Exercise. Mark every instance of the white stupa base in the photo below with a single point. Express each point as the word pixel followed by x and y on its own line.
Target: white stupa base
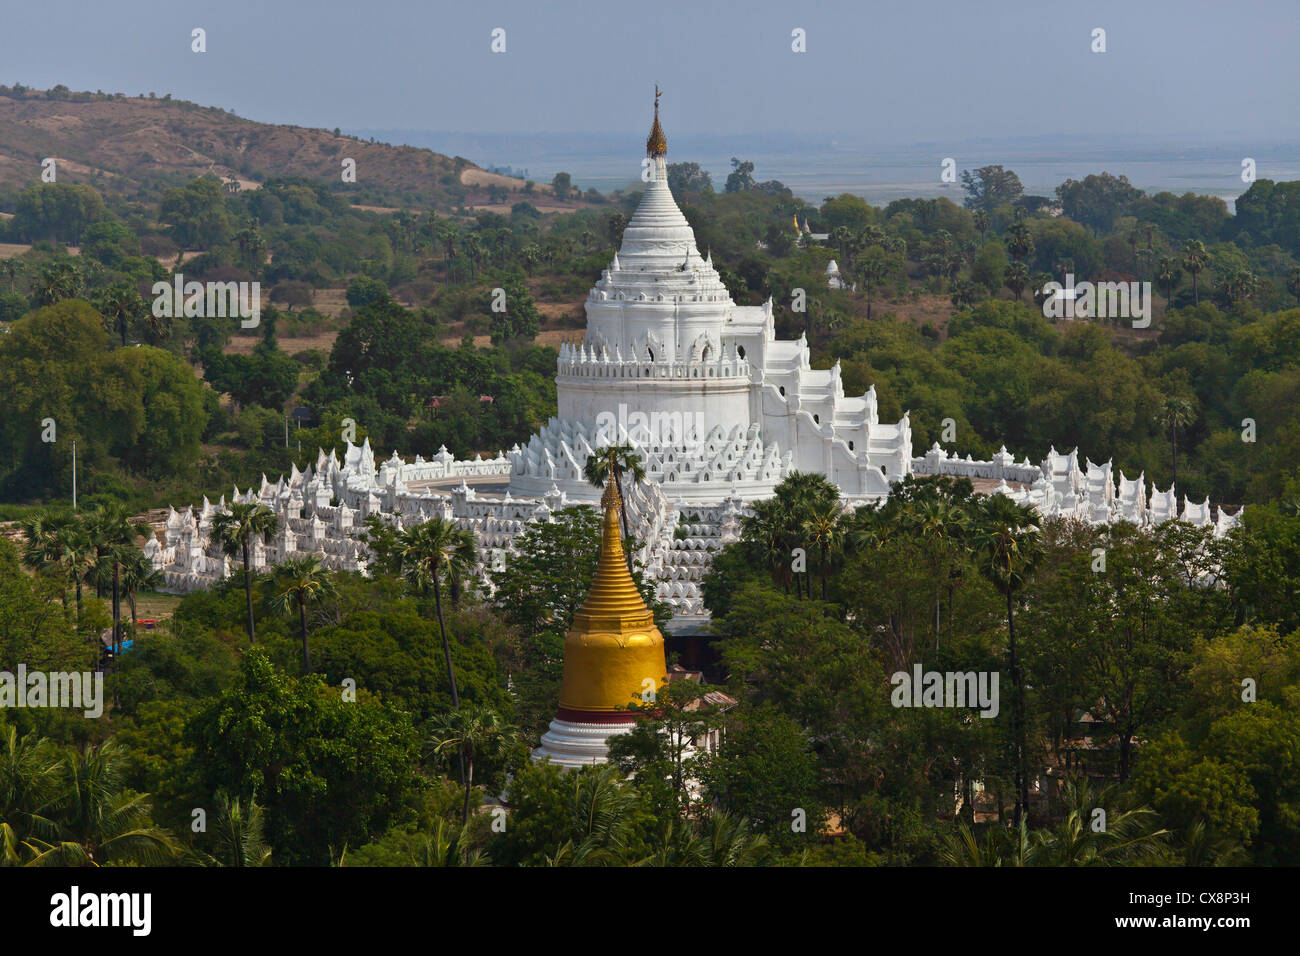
pixel 571 745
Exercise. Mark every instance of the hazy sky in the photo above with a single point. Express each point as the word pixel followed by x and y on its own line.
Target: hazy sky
pixel 893 72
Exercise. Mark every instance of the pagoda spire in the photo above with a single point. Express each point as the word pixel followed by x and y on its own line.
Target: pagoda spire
pixel 613 656
pixel 613 593
pixel 656 144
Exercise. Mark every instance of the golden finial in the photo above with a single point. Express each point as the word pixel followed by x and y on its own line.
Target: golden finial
pixel 611 498
pixel 613 592
pixel 656 144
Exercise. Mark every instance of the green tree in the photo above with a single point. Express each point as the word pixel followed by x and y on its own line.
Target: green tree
pixel 616 461
pixel 113 538
pixel 583 817
pixel 562 186
pixel 239 831
pixel 330 772
pixel 875 265
pixel 1008 547
pixel 1167 273
pixel 296 583
pixel 1016 278
pixel 234 531
pixel 1020 241
pixel 1097 200
pixel 93 820
pixel 121 304
pixel 741 177
pixel 668 749
pixel 425 554
pixel 56 282
pixel 58 212
pixel 823 530
pixel 990 187
pixel 197 214
pixel 1176 412
pixel 471 732
pixel 138 574
pixel 990 266
pixel 766 771
pixel 1195 258
pixel 686 178
pixel 363 290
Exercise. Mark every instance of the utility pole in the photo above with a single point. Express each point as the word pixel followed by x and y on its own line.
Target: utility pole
pixel 74 474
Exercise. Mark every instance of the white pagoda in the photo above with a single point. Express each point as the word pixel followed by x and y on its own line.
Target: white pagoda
pixel 719 410
pixel 716 405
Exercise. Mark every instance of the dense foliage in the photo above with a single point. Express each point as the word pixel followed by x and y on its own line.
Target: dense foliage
pixel 386 720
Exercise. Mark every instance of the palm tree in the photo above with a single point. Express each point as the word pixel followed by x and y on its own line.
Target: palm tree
pixel 1129 837
pixel 796 500
pixel 1020 241
pixel 138 573
pixel 425 553
pixel 57 543
pixel 1064 266
pixel 56 282
pixel 239 831
pixel 122 305
pixel 724 841
pixel 1200 846
pixel 730 842
pixel 824 531
pixel 1007 545
pixel 299 581
pixel 156 327
pixel 233 530
pixel 676 844
pixel 470 732
pixel 1174 414
pixel 616 460
pixel 1145 257
pixel 941 523
pixel 252 248
pixel 963 294
pixel 112 536
pixel 11 267
pixel 42 551
pixel 875 265
pixel 981 220
pixel 449 845
pixel 95 820
pixel 765 527
pixel 1195 258
pixel 466 558
pixel 962 847
pixel 1167 273
pixel 842 238
pixel 1016 278
pixel 75 555
pixel 600 810
pixel 531 254
pixel 1235 285
pixel 614 227
pixel 29 776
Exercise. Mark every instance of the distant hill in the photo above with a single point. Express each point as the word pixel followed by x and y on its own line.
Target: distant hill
pixel 136 146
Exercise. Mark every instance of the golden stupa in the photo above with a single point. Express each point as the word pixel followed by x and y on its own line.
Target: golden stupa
pixel 613 654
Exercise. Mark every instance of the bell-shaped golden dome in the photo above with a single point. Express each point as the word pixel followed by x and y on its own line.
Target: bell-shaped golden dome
pixel 614 653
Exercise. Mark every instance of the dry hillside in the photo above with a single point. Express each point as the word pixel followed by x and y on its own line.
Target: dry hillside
pixel 129 144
